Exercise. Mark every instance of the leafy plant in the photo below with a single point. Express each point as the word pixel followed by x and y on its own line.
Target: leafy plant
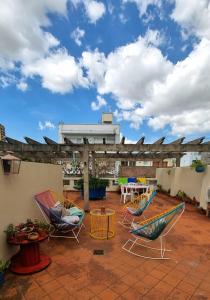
pixel 94 183
pixel 197 163
pixel 159 187
pixel 4 265
pixel 181 195
pixel 10 231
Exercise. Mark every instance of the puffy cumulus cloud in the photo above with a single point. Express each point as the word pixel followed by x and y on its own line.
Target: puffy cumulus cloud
pixel 147 87
pixel 187 86
pixel 129 72
pixel 142 5
pixel 193 16
pixel 187 122
pixel 59 72
pixel 46 125
pixel 77 35
pixel 21 28
pixel 96 105
pixel 94 9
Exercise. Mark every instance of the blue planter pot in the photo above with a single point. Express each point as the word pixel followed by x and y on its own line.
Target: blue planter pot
pixel 2 280
pixel 96 194
pixel 200 169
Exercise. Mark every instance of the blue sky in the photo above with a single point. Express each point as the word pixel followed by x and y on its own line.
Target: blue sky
pixel 147 61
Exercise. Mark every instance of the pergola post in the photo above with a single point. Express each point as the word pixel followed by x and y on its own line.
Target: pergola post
pixel 86 179
pixel 177 161
pixel 93 165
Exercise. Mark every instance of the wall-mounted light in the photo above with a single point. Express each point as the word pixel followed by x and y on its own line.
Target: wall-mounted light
pixel 10 164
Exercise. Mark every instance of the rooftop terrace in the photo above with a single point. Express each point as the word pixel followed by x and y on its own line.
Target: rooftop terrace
pixel 75 273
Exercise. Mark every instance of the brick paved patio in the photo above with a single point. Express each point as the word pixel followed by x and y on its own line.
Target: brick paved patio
pixel 75 273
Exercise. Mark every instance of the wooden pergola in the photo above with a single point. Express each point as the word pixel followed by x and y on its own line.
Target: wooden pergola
pixel 51 150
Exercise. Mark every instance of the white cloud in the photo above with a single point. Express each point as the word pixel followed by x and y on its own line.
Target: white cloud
pixel 23 86
pixel 143 5
pixel 21 29
pixel 129 72
pixel 46 125
pixel 148 87
pixel 122 18
pixel 96 105
pixel 94 10
pixel 193 16
pixel 59 72
pixel 77 35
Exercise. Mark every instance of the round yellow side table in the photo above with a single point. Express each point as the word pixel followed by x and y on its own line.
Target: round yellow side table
pixel 102 223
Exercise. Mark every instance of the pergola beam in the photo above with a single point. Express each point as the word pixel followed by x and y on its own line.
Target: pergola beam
pixel 122 142
pixel 31 141
pixel 20 147
pixel 49 141
pixel 13 141
pixel 160 141
pixel 141 141
pixel 196 141
pixel 68 141
pixel 179 141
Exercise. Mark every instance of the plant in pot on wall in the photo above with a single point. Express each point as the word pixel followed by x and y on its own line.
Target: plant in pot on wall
pixel 4 265
pixel 97 187
pixel 198 165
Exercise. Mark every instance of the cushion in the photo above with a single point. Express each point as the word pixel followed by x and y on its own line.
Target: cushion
pixel 70 219
pixel 75 211
pixel 55 214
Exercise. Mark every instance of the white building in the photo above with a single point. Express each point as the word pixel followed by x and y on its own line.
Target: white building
pixel 95 133
pixel 187 159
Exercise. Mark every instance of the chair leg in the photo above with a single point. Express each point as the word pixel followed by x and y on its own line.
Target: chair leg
pixel 134 242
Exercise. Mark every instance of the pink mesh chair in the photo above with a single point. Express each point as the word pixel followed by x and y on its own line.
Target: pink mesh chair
pixel 46 202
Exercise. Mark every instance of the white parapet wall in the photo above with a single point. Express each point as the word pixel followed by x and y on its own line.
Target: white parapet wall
pixel 187 180
pixel 69 183
pixel 16 196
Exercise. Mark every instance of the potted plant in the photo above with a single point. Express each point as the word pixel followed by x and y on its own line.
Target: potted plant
pixel 10 231
pixel 41 227
pixel 198 165
pixel 3 267
pixel 97 187
pixel 181 195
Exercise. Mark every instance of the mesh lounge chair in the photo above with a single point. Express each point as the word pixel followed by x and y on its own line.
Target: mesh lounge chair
pixel 46 202
pixel 131 212
pixel 153 229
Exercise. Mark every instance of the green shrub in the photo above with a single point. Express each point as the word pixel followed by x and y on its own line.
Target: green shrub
pixel 94 183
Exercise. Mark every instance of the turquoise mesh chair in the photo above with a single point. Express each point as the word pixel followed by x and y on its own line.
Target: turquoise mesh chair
pixel 153 229
pixel 131 213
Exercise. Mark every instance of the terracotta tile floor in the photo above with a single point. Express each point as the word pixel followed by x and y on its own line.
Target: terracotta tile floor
pixel 75 273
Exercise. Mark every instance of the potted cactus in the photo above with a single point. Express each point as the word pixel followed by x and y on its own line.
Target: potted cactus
pixel 3 267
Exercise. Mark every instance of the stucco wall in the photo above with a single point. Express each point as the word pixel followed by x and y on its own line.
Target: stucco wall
pixel 185 179
pixel 16 196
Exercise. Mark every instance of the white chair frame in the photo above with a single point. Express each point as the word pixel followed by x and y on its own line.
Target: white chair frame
pixel 143 242
pixel 53 232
